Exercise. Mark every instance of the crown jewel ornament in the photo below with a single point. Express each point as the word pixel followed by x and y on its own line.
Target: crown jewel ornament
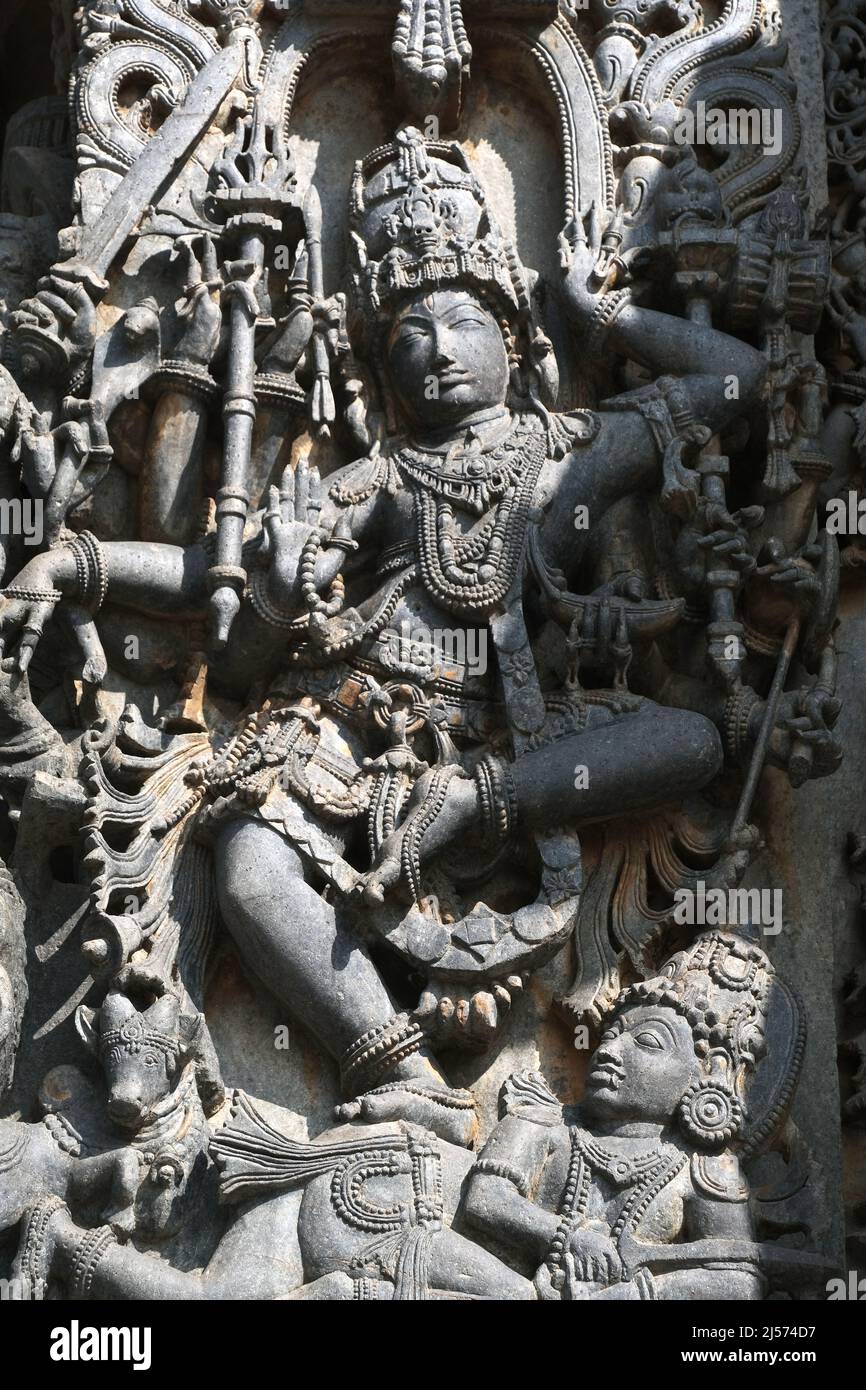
pixel 421 221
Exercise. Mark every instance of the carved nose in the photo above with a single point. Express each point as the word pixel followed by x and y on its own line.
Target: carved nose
pixel 605 1055
pixel 125 1110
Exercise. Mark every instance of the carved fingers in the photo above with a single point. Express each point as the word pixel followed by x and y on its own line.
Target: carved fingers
pixel 22 620
pixel 594 1259
pixel 588 256
pixel 716 539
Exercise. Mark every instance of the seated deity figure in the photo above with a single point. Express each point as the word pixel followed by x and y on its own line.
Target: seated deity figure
pixel 639 1192
pixel 367 766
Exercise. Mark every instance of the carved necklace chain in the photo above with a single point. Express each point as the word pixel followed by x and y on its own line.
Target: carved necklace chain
pixel 473 573
pixel 468 474
pixel 647 1174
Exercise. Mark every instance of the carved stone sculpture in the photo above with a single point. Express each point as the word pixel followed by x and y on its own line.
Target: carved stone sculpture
pixel 418 602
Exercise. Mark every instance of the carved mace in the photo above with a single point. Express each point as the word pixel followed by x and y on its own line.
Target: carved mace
pixel 257 187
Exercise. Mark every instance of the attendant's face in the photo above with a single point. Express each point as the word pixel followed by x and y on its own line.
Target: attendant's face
pixel 446 358
pixel 642 1067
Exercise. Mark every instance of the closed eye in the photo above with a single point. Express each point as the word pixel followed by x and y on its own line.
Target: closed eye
pixel 649 1040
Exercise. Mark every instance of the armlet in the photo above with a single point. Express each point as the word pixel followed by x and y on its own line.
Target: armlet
pixel 719 1176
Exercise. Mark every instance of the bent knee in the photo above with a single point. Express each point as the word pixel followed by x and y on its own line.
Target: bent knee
pixel 700 756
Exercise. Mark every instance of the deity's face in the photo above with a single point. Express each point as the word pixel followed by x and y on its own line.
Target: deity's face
pixel 446 358
pixel 642 1066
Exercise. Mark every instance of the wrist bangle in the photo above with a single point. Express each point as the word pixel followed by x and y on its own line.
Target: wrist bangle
pixel 264 606
pixel 738 712
pixel 33 595
pixel 497 797
pixel 90 570
pixel 607 309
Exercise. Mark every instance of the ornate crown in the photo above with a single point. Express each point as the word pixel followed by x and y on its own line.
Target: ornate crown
pixel 720 985
pixel 420 220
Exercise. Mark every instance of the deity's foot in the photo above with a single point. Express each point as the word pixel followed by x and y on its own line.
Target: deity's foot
pixel 447 1112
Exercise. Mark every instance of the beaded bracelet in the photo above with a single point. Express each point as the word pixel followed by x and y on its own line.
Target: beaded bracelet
pixel 32 595
pixel 90 570
pixel 307 576
pixel 497 796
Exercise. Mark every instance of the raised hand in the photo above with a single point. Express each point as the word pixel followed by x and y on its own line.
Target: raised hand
pixel 587 255
pixel 291 518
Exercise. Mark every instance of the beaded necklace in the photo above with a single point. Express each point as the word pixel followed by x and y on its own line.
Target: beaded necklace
pixel 473 574
pixel 647 1174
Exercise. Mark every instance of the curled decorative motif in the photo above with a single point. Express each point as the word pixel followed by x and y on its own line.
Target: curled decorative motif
pixel 144 60
pixel 844 38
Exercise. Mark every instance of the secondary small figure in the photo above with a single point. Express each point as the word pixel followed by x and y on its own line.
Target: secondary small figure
pixel 639 1192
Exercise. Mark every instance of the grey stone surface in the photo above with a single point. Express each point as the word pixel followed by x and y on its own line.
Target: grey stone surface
pixel 425 782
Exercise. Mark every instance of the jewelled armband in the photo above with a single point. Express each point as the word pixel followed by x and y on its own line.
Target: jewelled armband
pixel 504 1171
pixel 666 408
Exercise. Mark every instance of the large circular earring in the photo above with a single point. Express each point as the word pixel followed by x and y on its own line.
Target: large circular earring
pixel 710 1114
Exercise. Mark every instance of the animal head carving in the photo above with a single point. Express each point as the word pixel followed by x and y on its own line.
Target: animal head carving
pixel 141 1051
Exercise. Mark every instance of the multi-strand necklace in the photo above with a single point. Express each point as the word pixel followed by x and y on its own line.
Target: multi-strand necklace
pixel 472 573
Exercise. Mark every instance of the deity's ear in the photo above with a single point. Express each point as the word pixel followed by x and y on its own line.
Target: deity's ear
pixel 86 1026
